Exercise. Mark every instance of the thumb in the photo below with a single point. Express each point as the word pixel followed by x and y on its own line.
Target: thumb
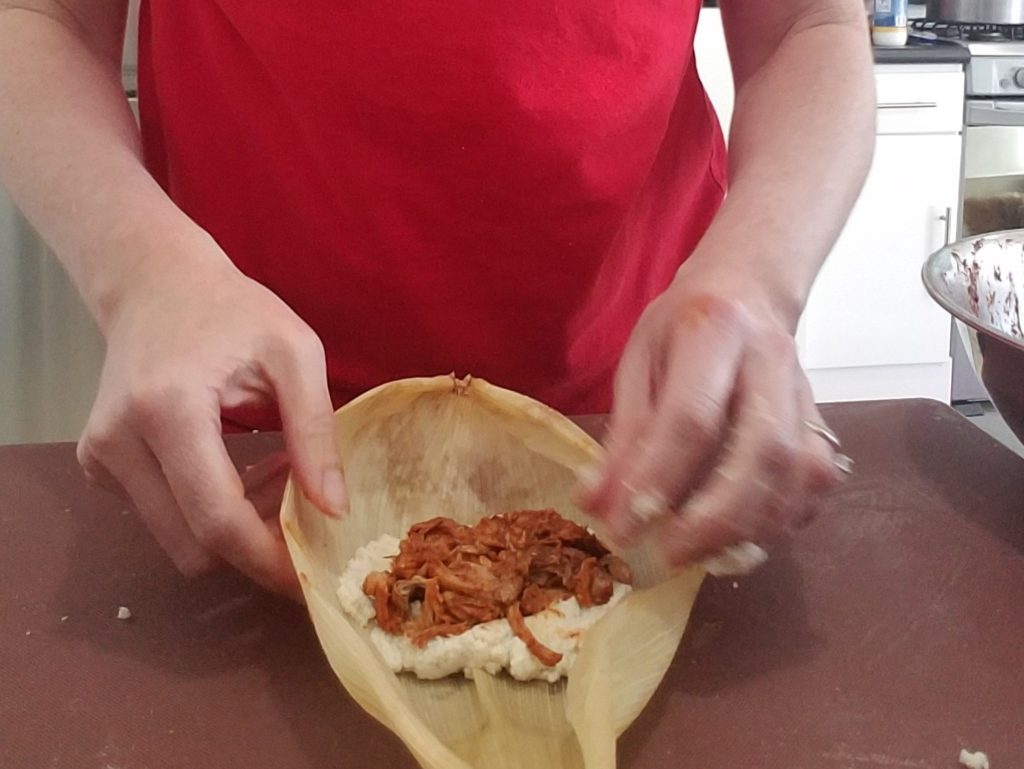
pixel 307 416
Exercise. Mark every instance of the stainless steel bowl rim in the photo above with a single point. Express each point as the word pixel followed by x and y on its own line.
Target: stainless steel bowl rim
pixel 930 269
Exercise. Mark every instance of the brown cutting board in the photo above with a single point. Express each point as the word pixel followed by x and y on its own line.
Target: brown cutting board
pixel 888 634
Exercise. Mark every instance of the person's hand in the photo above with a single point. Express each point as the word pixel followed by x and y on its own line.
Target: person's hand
pixel 182 346
pixel 714 439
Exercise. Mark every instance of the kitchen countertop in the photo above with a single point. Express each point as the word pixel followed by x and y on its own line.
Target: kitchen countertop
pixel 887 634
pixel 919 51
pixel 916 51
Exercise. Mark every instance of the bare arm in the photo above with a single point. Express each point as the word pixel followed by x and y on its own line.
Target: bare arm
pixel 709 444
pixel 187 334
pixel 802 136
pixel 70 151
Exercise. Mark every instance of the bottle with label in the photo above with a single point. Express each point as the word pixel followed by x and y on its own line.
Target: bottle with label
pixel 889 23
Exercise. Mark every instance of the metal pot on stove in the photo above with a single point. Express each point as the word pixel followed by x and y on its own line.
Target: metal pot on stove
pixel 977 11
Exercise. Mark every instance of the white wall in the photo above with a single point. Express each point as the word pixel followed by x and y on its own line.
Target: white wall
pixel 50 350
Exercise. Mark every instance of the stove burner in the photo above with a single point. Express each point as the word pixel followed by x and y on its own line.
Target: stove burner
pixel 985 36
pixel 974 33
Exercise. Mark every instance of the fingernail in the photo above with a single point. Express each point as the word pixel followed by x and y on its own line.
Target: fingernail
pixel 589 478
pixel 648 505
pixel 334 491
pixel 736 560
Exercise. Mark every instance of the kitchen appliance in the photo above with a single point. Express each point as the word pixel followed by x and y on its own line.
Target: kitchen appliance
pixel 993 185
pixel 994 136
pixel 980 281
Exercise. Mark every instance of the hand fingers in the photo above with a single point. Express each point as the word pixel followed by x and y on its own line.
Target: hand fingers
pixel 748 496
pixel 96 474
pixel 264 484
pixel 685 431
pixel 185 437
pixel 129 459
pixel 299 377
pixel 818 457
pixel 631 410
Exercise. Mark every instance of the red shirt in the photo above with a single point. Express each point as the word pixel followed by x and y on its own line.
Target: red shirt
pixel 494 188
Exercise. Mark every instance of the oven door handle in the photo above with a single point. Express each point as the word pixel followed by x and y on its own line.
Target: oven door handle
pixel 908 105
pixel 995 113
pixel 947 219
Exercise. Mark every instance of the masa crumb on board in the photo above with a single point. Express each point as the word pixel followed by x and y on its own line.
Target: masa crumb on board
pixel 976 760
pixel 123 612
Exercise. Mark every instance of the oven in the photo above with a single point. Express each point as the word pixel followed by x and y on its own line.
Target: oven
pixel 993 187
pixel 994 137
pixel 993 172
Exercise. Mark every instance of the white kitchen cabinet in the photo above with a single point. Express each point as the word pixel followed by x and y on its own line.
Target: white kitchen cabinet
pixel 869 309
pixel 870 331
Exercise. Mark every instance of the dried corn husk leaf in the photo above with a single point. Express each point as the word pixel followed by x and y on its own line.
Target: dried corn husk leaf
pixel 417 448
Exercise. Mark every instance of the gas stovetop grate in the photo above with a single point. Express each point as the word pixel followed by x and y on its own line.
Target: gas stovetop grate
pixel 974 33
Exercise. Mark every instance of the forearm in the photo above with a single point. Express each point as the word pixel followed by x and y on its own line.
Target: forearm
pixel 70 157
pixel 801 143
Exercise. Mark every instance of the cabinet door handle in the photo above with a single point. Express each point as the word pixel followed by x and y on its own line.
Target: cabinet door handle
pixel 909 105
pixel 948 219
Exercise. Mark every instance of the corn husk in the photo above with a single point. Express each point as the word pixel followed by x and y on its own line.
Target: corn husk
pixel 417 448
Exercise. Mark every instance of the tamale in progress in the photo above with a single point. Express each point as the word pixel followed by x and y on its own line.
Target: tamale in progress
pixel 417 448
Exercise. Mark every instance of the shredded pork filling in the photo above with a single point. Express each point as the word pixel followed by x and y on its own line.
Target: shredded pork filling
pixel 448 577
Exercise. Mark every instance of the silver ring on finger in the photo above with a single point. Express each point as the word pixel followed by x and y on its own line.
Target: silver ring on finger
pixel 824 432
pixel 842 462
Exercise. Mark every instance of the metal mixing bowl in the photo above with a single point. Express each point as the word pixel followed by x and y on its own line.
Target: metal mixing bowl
pixel 977 11
pixel 980 281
